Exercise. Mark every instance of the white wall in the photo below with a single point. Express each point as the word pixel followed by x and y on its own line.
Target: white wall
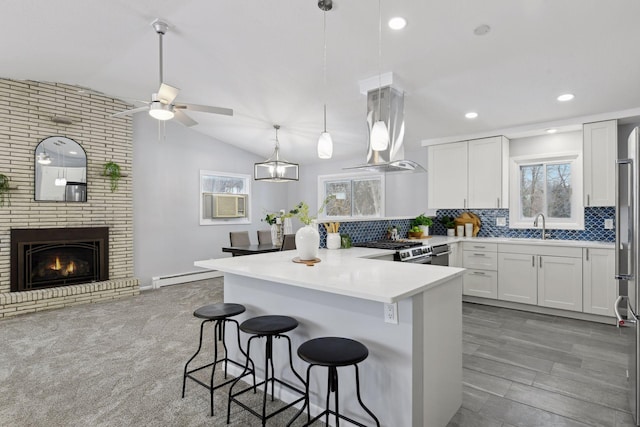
pixel 167 234
pixel 546 144
pixel 406 193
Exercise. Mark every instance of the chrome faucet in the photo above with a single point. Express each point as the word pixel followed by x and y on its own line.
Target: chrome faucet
pixel 544 226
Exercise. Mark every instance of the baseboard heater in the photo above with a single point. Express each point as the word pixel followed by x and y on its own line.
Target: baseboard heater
pixel 174 279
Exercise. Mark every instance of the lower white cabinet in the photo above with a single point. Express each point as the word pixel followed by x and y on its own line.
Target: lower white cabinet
pixel 560 282
pixel 455 259
pixel 481 277
pixel 517 278
pixel 600 289
pixel 479 283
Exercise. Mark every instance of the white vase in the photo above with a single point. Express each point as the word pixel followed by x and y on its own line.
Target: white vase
pixel 333 241
pixel 276 234
pixel 307 242
pixel 451 232
pixel 425 230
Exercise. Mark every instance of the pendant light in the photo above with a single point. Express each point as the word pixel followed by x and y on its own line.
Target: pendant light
pixel 325 143
pixel 275 169
pixel 379 138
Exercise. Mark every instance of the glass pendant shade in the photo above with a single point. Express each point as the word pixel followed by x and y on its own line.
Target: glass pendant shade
pixel 44 159
pixel 379 136
pixel 160 111
pixel 325 145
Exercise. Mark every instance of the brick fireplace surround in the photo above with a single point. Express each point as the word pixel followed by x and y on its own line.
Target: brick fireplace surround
pixel 26 110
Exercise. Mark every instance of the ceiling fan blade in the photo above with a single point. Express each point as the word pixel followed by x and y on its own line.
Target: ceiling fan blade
pixel 167 93
pixel 184 119
pixel 206 109
pixel 130 112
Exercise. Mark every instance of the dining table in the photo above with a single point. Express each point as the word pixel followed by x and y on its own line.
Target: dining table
pixel 251 249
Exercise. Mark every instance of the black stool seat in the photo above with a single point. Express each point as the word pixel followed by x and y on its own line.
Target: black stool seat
pixel 267 328
pixel 219 311
pixel 333 351
pixel 269 325
pixel 219 315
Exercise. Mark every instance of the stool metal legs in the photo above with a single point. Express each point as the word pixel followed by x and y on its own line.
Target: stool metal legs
pixel 219 335
pixel 269 378
pixel 332 387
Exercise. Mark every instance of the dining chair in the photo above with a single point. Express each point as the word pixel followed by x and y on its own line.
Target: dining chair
pixel 239 238
pixel 264 237
pixel 288 242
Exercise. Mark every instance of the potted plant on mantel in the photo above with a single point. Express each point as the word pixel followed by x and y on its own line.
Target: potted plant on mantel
pixel 423 222
pixel 449 223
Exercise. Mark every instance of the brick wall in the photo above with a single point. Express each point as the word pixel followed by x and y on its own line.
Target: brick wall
pixel 26 109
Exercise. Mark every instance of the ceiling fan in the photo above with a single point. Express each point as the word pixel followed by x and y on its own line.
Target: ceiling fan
pixel 162 105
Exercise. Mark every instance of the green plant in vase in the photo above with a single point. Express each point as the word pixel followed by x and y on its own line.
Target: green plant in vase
pixel 112 170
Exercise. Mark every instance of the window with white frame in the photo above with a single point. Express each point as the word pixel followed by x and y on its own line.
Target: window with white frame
pixel 354 196
pixel 224 198
pixel 551 185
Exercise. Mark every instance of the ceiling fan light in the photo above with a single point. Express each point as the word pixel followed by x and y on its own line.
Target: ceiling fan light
pixel 325 146
pixel 44 159
pixel 160 111
pixel 379 136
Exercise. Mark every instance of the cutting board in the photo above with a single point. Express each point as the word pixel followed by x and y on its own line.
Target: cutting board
pixel 467 217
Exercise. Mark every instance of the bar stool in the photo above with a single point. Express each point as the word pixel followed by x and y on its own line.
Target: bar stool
pixel 218 313
pixel 332 352
pixel 268 327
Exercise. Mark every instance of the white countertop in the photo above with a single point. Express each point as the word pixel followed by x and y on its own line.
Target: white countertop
pixel 345 272
pixel 439 240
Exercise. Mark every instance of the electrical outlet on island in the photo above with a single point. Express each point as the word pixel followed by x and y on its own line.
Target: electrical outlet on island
pixel 391 312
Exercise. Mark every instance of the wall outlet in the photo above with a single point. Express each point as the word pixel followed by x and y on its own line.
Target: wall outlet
pixel 608 224
pixel 501 221
pixel 391 312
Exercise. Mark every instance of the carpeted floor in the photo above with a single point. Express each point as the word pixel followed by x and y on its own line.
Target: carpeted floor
pixel 116 363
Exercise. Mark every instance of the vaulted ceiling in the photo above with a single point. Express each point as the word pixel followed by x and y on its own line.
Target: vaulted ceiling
pixel 264 60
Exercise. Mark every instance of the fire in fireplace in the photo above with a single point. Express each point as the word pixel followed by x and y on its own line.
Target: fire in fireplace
pixel 45 258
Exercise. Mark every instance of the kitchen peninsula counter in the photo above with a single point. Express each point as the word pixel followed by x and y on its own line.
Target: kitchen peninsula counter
pixel 413 375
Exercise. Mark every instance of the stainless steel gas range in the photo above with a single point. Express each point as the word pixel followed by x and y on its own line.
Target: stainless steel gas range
pixel 417 252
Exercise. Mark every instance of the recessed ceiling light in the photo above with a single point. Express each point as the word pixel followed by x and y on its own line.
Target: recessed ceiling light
pixel 566 97
pixel 397 23
pixel 552 130
pixel 471 115
pixel 481 30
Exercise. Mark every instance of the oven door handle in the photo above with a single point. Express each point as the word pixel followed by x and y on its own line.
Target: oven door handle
pixel 419 260
pixel 442 254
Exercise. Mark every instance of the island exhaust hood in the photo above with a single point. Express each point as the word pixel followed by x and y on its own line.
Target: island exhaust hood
pixel 391 111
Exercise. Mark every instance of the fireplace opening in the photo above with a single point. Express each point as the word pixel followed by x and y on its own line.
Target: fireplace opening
pixel 45 258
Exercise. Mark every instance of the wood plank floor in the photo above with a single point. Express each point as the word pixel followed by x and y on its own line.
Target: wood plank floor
pixel 526 369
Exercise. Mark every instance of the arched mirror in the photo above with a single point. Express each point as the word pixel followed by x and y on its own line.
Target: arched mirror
pixel 61 170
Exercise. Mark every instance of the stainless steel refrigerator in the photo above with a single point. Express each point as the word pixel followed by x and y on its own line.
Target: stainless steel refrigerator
pixel 627 260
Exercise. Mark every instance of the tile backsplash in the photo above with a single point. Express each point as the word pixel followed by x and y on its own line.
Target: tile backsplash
pixel 593 219
pixel 362 231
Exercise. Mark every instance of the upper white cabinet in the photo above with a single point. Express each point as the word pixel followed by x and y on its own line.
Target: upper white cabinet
pixel 469 174
pixel 488 172
pixel 447 174
pixel 600 141
pixel 600 289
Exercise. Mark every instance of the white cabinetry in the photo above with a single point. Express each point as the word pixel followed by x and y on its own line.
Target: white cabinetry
pixel 549 276
pixel 600 289
pixel 600 150
pixel 517 278
pixel 560 282
pixel 475 173
pixel 447 175
pixel 481 277
pixel 488 173
pixel 455 258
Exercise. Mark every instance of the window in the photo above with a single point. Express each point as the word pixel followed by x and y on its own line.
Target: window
pixel 548 185
pixel 356 196
pixel 224 198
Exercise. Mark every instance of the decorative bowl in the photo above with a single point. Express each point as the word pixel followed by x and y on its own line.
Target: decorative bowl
pixel 415 234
